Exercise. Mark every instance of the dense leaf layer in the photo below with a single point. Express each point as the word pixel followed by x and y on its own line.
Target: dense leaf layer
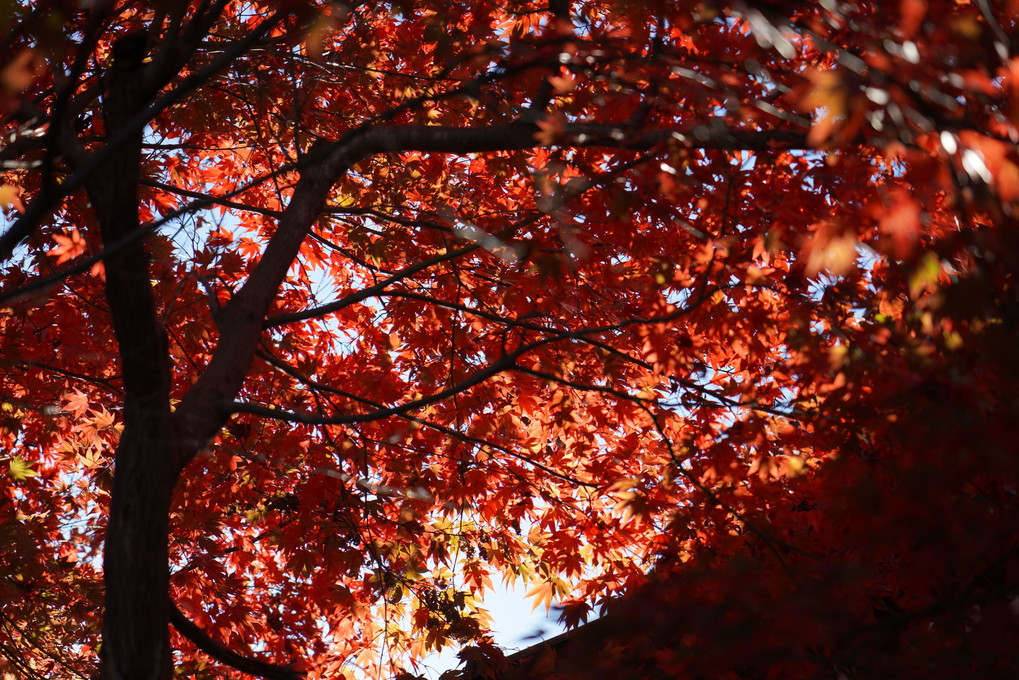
pixel 703 310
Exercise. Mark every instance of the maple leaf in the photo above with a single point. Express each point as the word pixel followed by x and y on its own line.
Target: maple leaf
pixel 563 84
pixel 573 613
pixel 75 402
pixel 543 594
pixel 69 246
pixel 902 223
pixel 831 249
pixel 551 130
pixel 20 469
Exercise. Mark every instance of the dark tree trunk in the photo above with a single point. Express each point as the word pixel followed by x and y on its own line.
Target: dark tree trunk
pixel 136 643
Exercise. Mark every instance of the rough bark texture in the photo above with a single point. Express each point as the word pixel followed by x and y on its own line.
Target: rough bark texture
pixel 136 642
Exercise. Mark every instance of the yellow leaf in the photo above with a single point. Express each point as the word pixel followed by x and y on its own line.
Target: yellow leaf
pixel 794 466
pixel 563 84
pixel 837 356
pixel 10 196
pixel 19 73
pixel 316 36
pixel 829 99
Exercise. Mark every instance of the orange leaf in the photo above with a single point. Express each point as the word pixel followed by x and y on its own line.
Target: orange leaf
pixel 68 247
pixel 19 73
pixel 10 196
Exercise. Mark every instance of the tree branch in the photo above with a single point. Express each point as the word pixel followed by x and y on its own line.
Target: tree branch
pixel 504 363
pixel 224 654
pixel 210 199
pixel 424 422
pixel 131 128
pixel 379 288
pixel 208 404
pixel 370 291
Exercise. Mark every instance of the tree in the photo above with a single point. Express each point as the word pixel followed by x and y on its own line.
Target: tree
pixel 317 317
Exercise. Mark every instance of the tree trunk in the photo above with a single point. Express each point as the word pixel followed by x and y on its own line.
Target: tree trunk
pixel 136 640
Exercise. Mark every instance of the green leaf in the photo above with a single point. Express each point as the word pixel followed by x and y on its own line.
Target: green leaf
pixel 21 469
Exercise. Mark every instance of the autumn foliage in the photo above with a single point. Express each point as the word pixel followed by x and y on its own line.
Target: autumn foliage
pixel 319 320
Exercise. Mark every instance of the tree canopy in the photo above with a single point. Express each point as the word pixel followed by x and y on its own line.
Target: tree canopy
pixel 320 319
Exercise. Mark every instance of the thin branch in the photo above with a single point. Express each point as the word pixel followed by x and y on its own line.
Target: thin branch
pixel 371 291
pixel 45 652
pixel 456 434
pixel 504 363
pixel 210 199
pixel 39 208
pixel 379 288
pixel 105 383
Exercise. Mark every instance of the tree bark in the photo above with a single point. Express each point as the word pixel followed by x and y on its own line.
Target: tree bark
pixel 136 642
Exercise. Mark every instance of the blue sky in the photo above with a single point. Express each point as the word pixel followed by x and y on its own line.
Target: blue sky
pixel 515 626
